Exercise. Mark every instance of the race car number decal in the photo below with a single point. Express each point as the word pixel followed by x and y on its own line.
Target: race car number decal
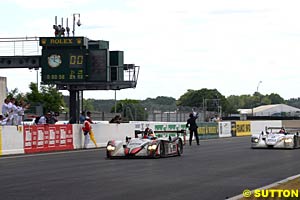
pixel 172 148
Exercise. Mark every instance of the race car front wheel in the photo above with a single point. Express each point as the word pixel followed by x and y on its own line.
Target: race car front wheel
pixel 179 147
pixel 161 151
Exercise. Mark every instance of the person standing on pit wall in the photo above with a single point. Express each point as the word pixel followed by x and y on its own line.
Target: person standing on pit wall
pixel 192 125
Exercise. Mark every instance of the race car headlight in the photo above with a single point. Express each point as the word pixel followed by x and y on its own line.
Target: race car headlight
pixel 288 140
pixel 255 140
pixel 110 147
pixel 152 147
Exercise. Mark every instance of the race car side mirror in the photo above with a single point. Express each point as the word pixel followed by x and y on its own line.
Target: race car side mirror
pixel 128 138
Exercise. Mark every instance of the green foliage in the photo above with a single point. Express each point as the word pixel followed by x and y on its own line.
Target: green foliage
pixel 20 97
pixel 159 103
pixel 275 98
pixel 48 97
pixel 34 96
pixel 207 99
pixel 131 110
pixel 248 101
pixel 88 104
pixel 295 102
pixel 52 99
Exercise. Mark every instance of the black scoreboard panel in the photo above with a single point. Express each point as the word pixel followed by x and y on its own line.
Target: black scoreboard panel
pixel 60 65
pixel 98 65
pixel 77 62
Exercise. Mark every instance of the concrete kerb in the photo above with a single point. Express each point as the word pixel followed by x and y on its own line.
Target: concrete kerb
pixel 240 196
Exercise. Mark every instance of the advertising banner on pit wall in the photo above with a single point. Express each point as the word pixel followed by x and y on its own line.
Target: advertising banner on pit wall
pixel 243 128
pixel 170 127
pixel 48 137
pixel 207 130
pixel 224 129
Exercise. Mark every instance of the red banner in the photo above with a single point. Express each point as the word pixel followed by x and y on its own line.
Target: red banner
pixel 48 137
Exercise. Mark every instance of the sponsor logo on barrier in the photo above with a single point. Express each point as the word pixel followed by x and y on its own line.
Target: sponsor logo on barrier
pixel 43 138
pixel 271 193
pixel 243 128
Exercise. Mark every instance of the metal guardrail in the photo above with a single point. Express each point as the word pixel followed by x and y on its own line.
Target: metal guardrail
pixel 20 46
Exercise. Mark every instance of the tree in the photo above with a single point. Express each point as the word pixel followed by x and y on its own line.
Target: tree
pixel 209 99
pixel 131 110
pixel 295 102
pixel 249 102
pixel 233 104
pixel 88 104
pixel 19 97
pixel 275 98
pixel 48 97
pixel 52 99
pixel 161 103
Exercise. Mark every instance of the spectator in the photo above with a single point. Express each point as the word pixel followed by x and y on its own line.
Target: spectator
pixel 51 118
pixel 82 117
pixel 21 107
pixel 42 119
pixel 12 113
pixel 117 119
pixel 5 107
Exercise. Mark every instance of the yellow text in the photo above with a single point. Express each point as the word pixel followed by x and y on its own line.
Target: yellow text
pixel 61 41
pixel 276 193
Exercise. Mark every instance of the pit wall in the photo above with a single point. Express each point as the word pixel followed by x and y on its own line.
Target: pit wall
pixel 62 137
pixel 11 140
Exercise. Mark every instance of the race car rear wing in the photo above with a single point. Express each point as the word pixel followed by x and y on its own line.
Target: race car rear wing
pixel 137 132
pixel 287 129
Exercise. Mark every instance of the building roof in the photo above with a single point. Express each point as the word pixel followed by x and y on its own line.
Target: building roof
pixel 270 109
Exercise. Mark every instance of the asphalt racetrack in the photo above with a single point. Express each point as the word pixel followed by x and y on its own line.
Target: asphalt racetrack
pixel 216 169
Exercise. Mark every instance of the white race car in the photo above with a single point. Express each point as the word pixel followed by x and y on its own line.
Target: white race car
pixel 277 137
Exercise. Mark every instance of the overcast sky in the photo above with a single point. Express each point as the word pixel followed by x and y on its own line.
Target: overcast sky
pixel 228 45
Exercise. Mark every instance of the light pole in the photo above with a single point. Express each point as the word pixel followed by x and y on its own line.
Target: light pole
pixel 253 96
pixel 37 76
pixel 258 85
pixel 78 22
pixel 145 114
pixel 115 102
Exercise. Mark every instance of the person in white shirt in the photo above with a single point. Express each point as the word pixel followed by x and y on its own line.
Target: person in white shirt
pixel 42 120
pixel 21 107
pixel 13 112
pixel 5 107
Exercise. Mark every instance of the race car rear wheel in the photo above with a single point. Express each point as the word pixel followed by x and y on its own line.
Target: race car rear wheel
pixel 296 141
pixel 179 147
